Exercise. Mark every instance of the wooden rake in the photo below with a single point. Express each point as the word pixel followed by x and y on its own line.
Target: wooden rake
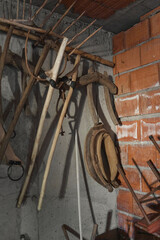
pixel 53 74
pixel 74 77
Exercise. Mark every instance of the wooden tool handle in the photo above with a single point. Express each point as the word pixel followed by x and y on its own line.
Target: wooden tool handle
pixel 74 77
pixel 41 123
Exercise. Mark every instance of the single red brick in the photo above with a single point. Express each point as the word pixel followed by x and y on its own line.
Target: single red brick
pixel 128 60
pixel 136 209
pixel 155 27
pixel 150 51
pixel 129 131
pixel 150 13
pixel 123 83
pixel 133 177
pixel 125 223
pixel 118 42
pixel 127 106
pixel 145 77
pixel 123 154
pixel 150 102
pixel 150 126
pixel 141 153
pixel 148 178
pixel 125 201
pixel 137 34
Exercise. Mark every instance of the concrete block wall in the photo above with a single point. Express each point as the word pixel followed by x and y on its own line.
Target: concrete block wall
pixel 137 75
pixel 60 201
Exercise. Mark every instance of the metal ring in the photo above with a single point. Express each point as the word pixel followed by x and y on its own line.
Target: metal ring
pixel 10 170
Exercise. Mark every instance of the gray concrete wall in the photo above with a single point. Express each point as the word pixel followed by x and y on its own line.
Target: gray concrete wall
pixel 60 201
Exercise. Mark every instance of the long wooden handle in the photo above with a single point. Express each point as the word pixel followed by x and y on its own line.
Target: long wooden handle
pixel 2 63
pixel 74 77
pixel 94 231
pixel 23 100
pixel 55 71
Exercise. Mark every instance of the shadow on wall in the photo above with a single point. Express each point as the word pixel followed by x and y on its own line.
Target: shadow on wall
pixel 74 125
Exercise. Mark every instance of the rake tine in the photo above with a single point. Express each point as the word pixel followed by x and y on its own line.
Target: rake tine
pixel 73 22
pixel 47 18
pixel 39 9
pixel 83 30
pixel 23 14
pixel 58 22
pixel 17 14
pixel 85 40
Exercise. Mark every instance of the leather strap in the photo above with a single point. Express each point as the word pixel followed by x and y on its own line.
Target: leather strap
pixel 102 167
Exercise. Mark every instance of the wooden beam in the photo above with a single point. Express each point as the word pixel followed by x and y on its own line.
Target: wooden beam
pixel 27 27
pixel 34 37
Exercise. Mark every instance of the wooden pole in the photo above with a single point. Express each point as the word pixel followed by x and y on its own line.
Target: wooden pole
pixel 34 37
pixel 55 71
pixel 89 56
pixel 2 63
pixel 74 77
pixel 94 232
pixel 23 100
pixel 23 26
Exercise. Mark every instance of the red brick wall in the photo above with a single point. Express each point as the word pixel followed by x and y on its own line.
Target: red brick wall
pixel 137 75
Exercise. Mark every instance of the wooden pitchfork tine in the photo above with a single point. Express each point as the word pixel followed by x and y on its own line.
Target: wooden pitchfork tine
pixel 23 100
pixel 67 28
pixel 48 16
pixel 61 18
pixel 39 9
pixel 74 77
pixel 84 41
pixel 53 75
pixel 57 23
